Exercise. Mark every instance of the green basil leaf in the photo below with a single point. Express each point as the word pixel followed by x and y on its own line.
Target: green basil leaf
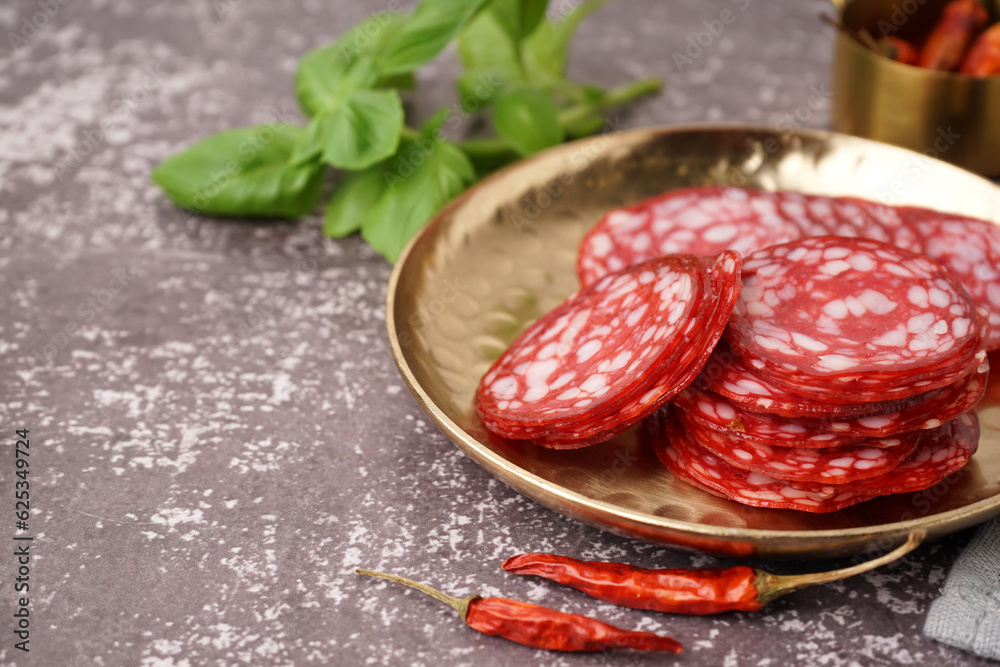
pixel 527 120
pixel 431 129
pixel 316 77
pixel 425 34
pixel 419 180
pixel 484 44
pixel 357 130
pixel 328 73
pixel 245 173
pixel 309 144
pixel 374 36
pixel 484 156
pixel 477 88
pixel 546 50
pixel 519 18
pixel 593 122
pixel 404 81
pixel 352 200
pixel 584 127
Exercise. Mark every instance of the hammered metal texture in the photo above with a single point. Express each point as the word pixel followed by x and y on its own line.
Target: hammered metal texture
pixel 503 254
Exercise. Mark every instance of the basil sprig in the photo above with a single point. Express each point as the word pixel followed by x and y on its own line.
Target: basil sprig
pixel 395 177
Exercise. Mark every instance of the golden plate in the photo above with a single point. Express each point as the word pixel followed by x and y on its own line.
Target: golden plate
pixel 503 254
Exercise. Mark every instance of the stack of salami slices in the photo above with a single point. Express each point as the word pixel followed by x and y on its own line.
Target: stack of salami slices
pixel 853 344
pixel 849 370
pixel 611 354
pixel 706 220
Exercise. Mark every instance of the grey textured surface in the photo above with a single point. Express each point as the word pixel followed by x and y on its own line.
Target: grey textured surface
pixel 224 437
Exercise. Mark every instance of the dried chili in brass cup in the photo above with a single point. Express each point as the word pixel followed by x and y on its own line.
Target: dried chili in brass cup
pixel 946 115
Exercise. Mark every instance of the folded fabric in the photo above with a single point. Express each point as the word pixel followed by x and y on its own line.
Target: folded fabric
pixel 967 614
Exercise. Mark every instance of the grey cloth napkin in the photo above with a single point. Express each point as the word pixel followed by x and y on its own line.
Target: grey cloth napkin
pixel 967 614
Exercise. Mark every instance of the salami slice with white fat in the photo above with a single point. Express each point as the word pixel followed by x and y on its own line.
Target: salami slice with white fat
pixel 939 453
pixel 705 220
pixel 700 221
pixel 610 354
pixel 726 375
pixel 831 465
pixel 848 320
pixel 719 414
pixel 702 335
pixel 970 250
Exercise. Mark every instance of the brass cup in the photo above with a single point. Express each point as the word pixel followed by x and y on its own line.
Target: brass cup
pixel 949 116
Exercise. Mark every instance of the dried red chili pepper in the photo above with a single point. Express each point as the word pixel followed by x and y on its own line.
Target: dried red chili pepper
pixel 898 49
pixel 697 592
pixel 959 24
pixel 540 627
pixel 983 59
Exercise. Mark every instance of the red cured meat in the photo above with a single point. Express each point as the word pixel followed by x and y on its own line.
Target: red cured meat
pixel 940 452
pixel 968 247
pixel 705 220
pixel 832 465
pixel 610 354
pixel 704 334
pixel 718 413
pixel 850 320
pixel 727 376
pixel 545 374
pixel 970 250
pixel 701 221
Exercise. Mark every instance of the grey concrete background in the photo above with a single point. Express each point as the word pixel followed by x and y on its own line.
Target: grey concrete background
pixel 224 437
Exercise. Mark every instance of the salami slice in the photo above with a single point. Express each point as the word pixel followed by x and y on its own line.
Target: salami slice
pixel 870 220
pixel 567 365
pixel 848 320
pixel 610 354
pixel 719 414
pixel 727 376
pixel 700 221
pixel 970 250
pixel 831 465
pixel 703 335
pixel 940 452
pixel 706 220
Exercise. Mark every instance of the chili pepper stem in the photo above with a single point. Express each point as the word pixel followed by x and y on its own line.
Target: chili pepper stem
pixel 772 586
pixel 461 605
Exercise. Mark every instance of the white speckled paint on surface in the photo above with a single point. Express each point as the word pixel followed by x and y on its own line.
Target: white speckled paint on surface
pixel 226 437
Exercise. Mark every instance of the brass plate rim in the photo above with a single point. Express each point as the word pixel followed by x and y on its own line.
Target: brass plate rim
pixel 517 477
